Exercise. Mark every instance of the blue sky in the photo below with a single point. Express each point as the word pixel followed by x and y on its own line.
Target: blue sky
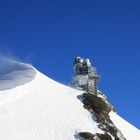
pixel 50 34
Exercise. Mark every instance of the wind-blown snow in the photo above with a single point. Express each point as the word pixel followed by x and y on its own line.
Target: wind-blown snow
pixel 13 73
pixel 40 108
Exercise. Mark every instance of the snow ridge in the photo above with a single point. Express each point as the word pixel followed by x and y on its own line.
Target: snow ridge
pixel 13 73
pixel 35 107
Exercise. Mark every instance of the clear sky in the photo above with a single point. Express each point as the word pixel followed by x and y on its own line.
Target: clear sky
pixel 50 34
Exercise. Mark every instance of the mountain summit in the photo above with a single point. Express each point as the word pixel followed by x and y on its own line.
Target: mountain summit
pixel 35 107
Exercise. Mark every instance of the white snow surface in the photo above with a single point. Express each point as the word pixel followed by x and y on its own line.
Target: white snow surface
pixel 42 109
pixel 38 108
pixel 129 131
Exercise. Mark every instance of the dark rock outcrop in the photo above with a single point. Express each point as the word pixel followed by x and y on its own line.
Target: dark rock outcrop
pixel 89 136
pixel 104 136
pixel 100 107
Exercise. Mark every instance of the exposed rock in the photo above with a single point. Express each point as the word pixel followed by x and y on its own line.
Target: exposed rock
pixel 100 107
pixel 87 135
pixel 104 136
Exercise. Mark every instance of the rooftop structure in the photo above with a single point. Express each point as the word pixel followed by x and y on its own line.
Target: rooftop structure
pixel 85 75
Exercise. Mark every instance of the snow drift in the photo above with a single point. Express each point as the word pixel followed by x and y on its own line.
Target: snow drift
pixel 34 107
pixel 13 73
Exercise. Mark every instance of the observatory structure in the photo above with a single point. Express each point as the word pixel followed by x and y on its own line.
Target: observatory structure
pixel 85 75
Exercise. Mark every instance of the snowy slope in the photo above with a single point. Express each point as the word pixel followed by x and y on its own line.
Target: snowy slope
pixel 42 109
pixel 129 131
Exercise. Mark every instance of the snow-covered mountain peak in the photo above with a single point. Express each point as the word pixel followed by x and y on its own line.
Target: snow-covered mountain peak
pixel 35 107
